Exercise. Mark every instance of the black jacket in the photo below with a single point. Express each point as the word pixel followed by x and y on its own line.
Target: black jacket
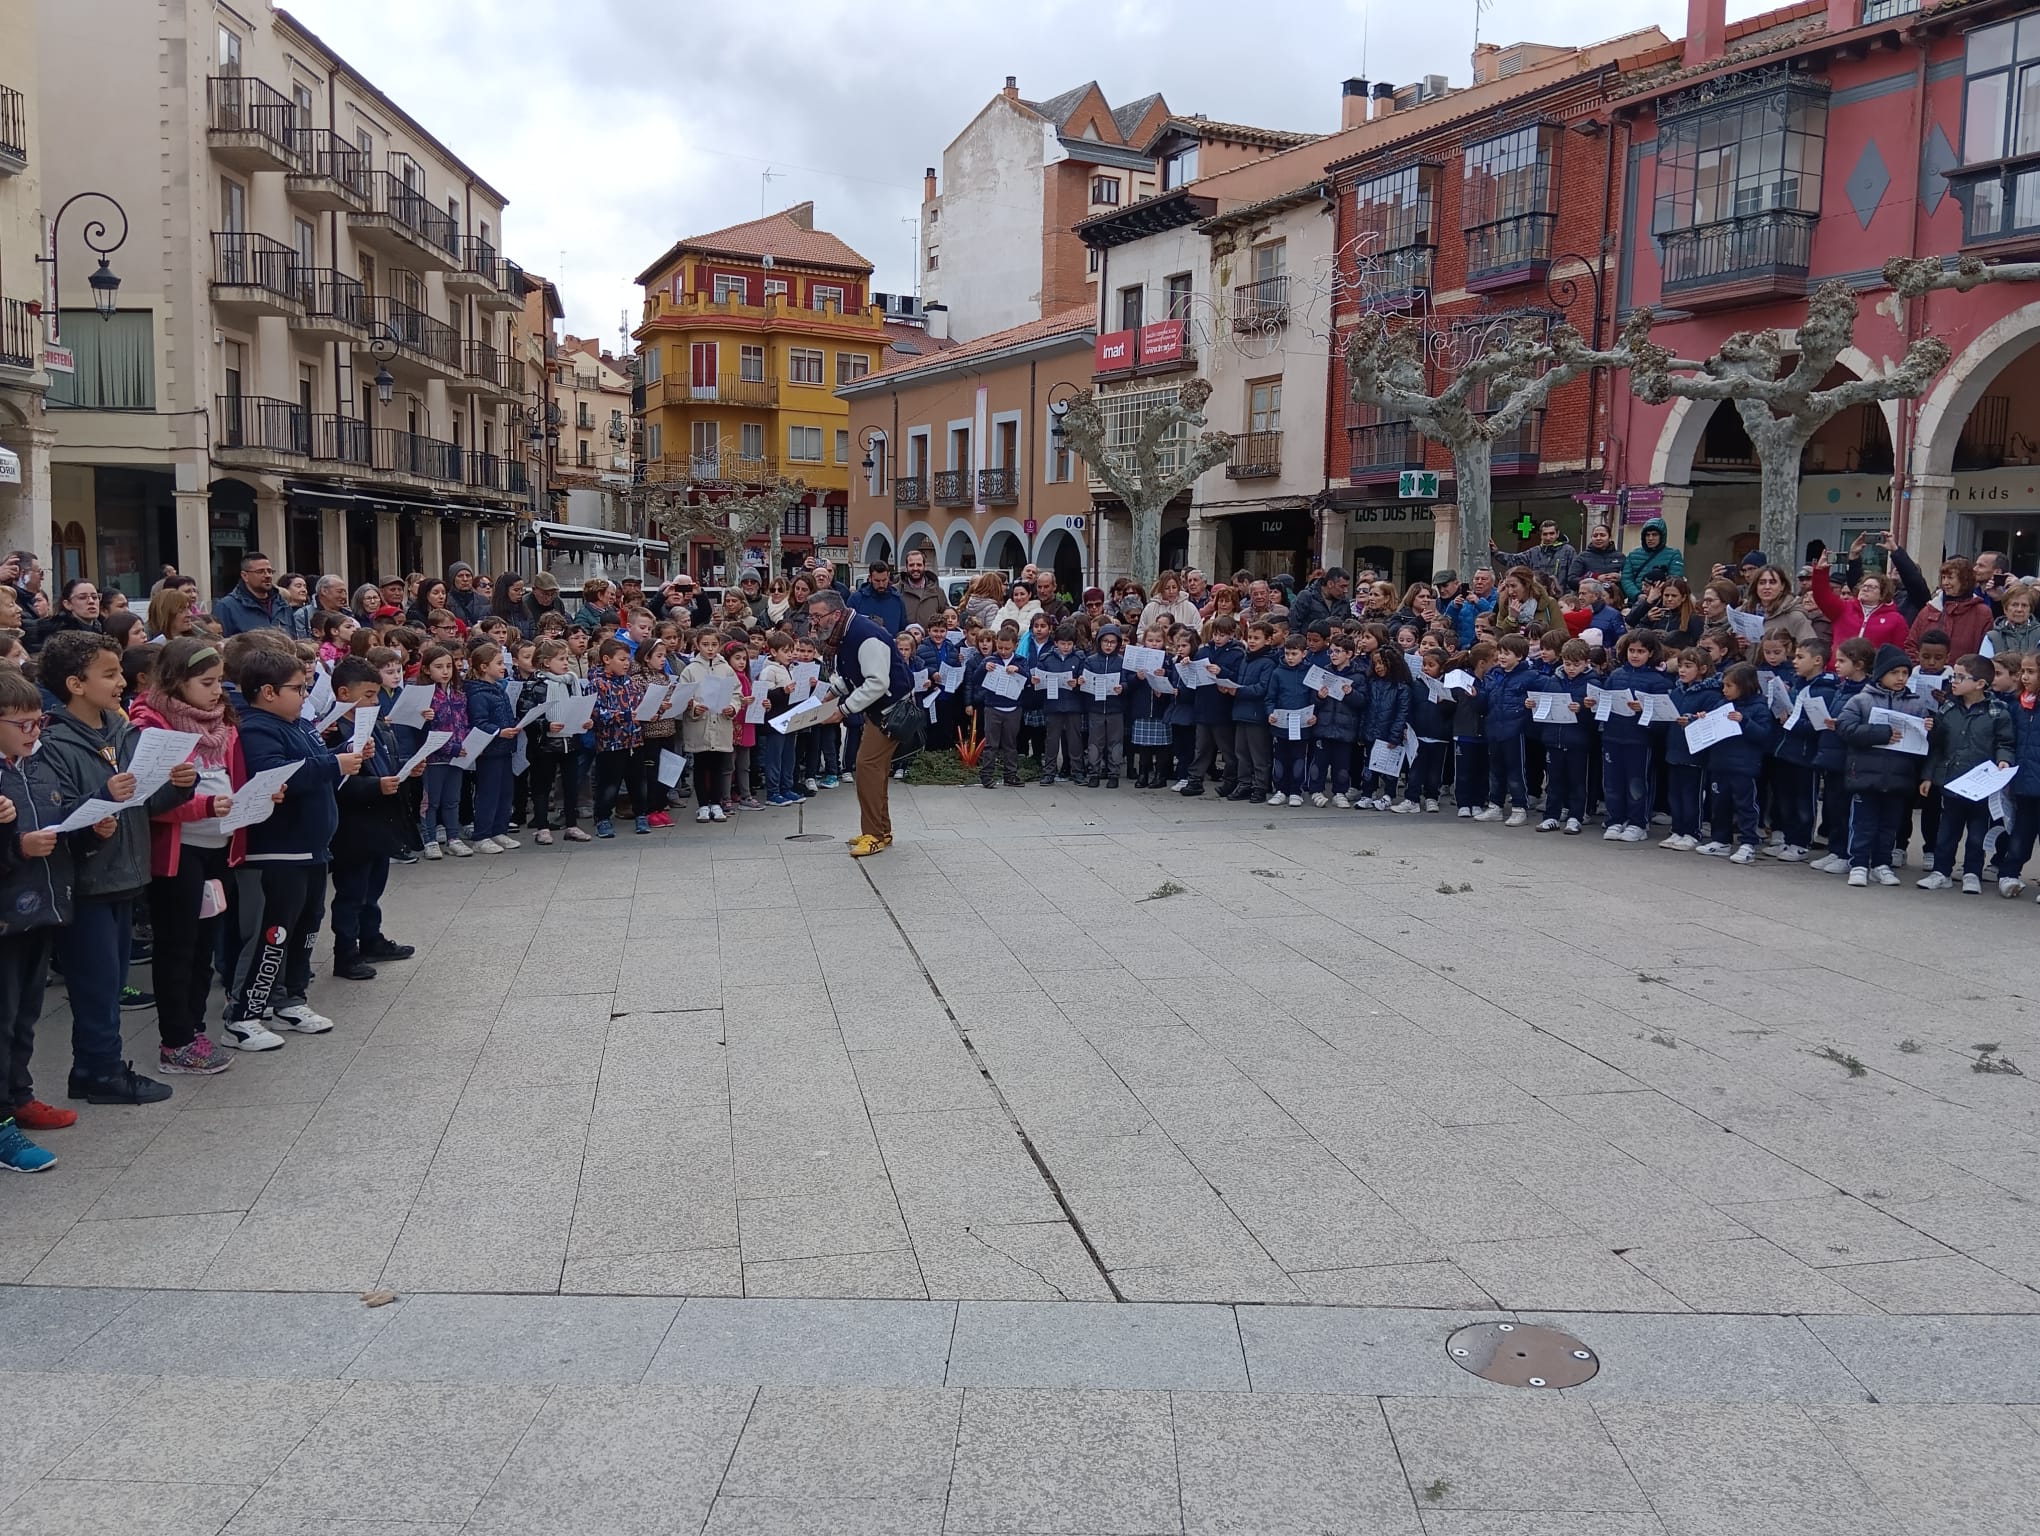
pixel 373 825
pixel 34 893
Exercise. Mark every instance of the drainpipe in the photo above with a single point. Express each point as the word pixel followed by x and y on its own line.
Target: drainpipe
pixel 1908 410
pixel 1595 434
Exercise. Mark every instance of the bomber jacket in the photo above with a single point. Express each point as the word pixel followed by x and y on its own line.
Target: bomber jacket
pixel 83 760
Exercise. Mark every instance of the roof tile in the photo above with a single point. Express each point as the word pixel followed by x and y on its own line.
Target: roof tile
pixel 785 236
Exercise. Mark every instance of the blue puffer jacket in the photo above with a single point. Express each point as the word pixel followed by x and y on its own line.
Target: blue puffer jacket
pixel 1690 699
pixel 34 893
pixel 1873 767
pixel 1250 705
pixel 1502 695
pixel 1570 733
pixel 1287 689
pixel 488 705
pixel 1388 710
pixel 1213 705
pixel 1624 726
pixel 1743 756
pixel 1340 719
pixel 1431 721
pixel 299 831
pixel 1802 744
pixel 2026 743
pixel 1070 701
pixel 1183 707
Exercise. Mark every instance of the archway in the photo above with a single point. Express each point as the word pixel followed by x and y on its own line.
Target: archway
pixel 959 550
pixel 1946 408
pixel 877 545
pixel 232 530
pixel 1005 552
pixel 1175 550
pixel 1060 550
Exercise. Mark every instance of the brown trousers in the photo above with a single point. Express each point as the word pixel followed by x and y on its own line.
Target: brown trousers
pixel 874 779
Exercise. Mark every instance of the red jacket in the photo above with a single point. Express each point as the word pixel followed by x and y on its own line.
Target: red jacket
pixel 166 831
pixel 1965 621
pixel 1885 626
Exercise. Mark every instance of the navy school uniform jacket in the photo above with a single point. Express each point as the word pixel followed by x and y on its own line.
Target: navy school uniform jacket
pixel 34 893
pixel 299 831
pixel 1743 756
pixel 1504 692
pixel 1213 705
pixel 1251 704
pixel 1182 708
pixel 1341 719
pixel 1469 714
pixel 1803 744
pixel 1070 701
pixel 1694 699
pixel 1287 689
pixel 1872 766
pixel 372 825
pixel 983 697
pixel 488 706
pixel 2025 747
pixel 1572 732
pixel 1624 727
pixel 1432 721
pixel 1097 663
pixel 1387 711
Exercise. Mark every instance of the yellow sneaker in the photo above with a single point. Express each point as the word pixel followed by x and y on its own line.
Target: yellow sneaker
pixel 862 847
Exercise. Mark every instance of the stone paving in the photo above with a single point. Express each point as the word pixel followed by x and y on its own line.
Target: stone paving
pixel 728 1184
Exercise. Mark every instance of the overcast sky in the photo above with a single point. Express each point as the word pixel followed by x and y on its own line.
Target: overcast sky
pixel 617 126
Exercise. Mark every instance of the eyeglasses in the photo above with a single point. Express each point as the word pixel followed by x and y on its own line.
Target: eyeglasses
pixel 28 724
pixel 299 687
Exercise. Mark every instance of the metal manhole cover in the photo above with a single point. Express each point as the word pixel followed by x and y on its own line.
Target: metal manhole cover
pixel 1522 1355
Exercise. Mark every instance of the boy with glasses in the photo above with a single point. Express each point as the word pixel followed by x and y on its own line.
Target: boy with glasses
pixel 35 900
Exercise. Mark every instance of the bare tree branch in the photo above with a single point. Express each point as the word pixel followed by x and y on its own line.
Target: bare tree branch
pixel 1913 277
pixel 1141 473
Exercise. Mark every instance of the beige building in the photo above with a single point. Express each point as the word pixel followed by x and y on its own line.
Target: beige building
pixel 593 465
pixel 307 354
pixel 24 434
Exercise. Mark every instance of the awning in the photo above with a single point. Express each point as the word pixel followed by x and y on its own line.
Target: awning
pixel 10 467
pixel 573 536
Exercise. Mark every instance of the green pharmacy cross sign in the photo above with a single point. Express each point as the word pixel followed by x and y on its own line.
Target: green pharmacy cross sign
pixel 1418 485
pixel 1525 526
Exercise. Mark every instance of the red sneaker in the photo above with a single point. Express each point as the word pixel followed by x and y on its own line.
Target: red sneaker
pixel 38 1116
pixel 659 819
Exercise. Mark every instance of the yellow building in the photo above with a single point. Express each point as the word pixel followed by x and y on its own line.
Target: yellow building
pixel 747 333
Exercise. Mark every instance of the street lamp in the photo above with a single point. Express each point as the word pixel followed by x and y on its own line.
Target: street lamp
pixel 1059 398
pixel 105 284
pixel 868 440
pixel 382 346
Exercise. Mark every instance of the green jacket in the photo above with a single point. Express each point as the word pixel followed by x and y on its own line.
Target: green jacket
pixel 1651 562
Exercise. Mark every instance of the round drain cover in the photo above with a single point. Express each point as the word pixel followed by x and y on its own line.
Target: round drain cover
pixel 1522 1355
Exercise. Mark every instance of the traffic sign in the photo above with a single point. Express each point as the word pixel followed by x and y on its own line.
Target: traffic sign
pixel 1418 484
pixel 1074 522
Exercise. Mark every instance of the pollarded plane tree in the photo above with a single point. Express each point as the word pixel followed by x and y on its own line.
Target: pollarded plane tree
pixel 730 522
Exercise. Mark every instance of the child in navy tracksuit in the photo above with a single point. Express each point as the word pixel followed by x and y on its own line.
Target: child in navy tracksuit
pixel 1795 773
pixel 488 705
pixel 1107 745
pixel 1626 740
pixel 1182 712
pixel 1696 692
pixel 1565 743
pixel 1431 719
pixel 1852 671
pixel 1469 732
pixel 1253 739
pixel 280 885
pixel 1063 749
pixel 1882 779
pixel 1338 726
pixel 1290 774
pixel 1387 719
pixel 1211 708
pixel 374 826
pixel 998 716
pixel 2024 791
pixel 1503 691
pixel 1735 764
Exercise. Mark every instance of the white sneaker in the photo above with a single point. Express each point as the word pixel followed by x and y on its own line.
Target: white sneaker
pixel 1972 885
pixel 1661 819
pixel 1572 826
pixel 715 813
pixel 1466 813
pixel 1859 876
pixel 1178 786
pixel 506 842
pixel 1381 802
pixel 1678 842
pixel 1936 881
pixel 1406 808
pixel 1516 818
pixel 1833 864
pixel 1296 799
pixel 459 849
pixel 1898 859
pixel 1746 854
pixel 1714 850
pixel 488 845
pixel 1549 824
pixel 1430 807
pixel 2008 887
pixel 1791 853
pixel 1342 802
pixel 434 851
pixel 1276 797
pixel 1319 800
pixel 1487 813
pixel 815 789
pixel 1634 834
pixel 1883 876
pixel 1613 834
pixel 702 816
pixel 302 1018
pixel 249 1035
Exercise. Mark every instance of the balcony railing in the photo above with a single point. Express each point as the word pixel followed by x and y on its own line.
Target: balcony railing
pixel 1765 252
pixel 391 197
pixel 1382 450
pixel 518 482
pixel 1262 305
pixel 13 131
pixel 1255 456
pixel 20 336
pixel 243 260
pixel 254 424
pixel 488 472
pixel 1517 449
pixel 1509 251
pixel 412 453
pixel 910 491
pixel 324 157
pixel 344 440
pixel 334 296
pixel 242 108
pixel 478 257
pixel 952 488
pixel 416 332
pixel 733 389
pixel 999 487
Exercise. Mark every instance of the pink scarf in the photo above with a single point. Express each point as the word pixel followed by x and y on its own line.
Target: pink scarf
pixel 211 725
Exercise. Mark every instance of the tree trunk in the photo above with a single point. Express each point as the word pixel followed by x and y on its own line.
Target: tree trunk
pixel 773 546
pixel 1473 472
pixel 1144 556
pixel 1778 505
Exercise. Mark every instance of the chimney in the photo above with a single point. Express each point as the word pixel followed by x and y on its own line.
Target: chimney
pixel 1352 103
pixel 1484 62
pixel 802 214
pixel 928 185
pixel 1843 15
pixel 1012 91
pixel 1706 31
pixel 935 317
pixel 1384 99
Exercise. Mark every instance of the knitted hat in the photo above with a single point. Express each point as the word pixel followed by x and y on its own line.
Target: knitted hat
pixel 1888 657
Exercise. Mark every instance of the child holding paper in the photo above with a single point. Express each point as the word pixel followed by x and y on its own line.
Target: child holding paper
pixel 1338 725
pixel 488 707
pixel 1565 743
pixel 1697 692
pixel 1626 738
pixel 1431 719
pixel 707 734
pixel 280 884
pixel 1503 692
pixel 1062 751
pixel 1795 798
pixel 1253 735
pixel 90 746
pixel 1852 662
pixel 775 687
pixel 1211 708
pixel 1735 762
pixel 2023 792
pixel 1469 727
pixel 374 827
pixel 1283 690
pixel 999 713
pixel 1882 779
pixel 555 757
pixel 1149 709
pixel 442 779
pixel 1385 725
pixel 1970 729
pixel 1107 747
pixel 619 738
pixel 190 856
pixel 653 669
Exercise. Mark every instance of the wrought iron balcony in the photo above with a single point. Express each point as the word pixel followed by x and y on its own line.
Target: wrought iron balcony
pixel 1261 306
pixel 519 482
pixel 256 272
pixel 20 337
pixel 416 333
pixel 1516 450
pixel 999 487
pixel 250 124
pixel 910 491
pixel 1255 456
pixel 405 218
pixel 342 440
pixel 952 488
pixel 488 472
pixel 412 453
pixel 13 133
pixel 507 286
pixel 335 305
pixel 332 174
pixel 254 427
pixel 1380 451
pixel 1752 256
pixel 1509 251
pixel 732 389
pixel 476 271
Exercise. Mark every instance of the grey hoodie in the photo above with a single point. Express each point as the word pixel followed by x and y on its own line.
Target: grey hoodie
pixel 82 760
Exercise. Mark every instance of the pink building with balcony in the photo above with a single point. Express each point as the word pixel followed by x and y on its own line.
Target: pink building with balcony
pixel 1807 145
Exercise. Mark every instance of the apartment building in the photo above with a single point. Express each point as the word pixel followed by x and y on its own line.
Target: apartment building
pixel 308 353
pixel 747 334
pixel 24 434
pixel 592 463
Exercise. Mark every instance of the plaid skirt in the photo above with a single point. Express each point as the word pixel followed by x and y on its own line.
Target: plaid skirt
pixel 1034 717
pixel 1151 732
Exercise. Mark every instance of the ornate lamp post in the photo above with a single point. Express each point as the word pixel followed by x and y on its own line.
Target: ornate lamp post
pixel 105 284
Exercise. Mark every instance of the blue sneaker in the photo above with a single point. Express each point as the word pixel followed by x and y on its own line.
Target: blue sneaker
pixel 831 781
pixel 20 1155
pixel 644 827
pixel 604 829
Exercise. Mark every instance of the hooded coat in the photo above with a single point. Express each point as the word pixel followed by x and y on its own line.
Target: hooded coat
pixel 1873 765
pixel 1651 560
